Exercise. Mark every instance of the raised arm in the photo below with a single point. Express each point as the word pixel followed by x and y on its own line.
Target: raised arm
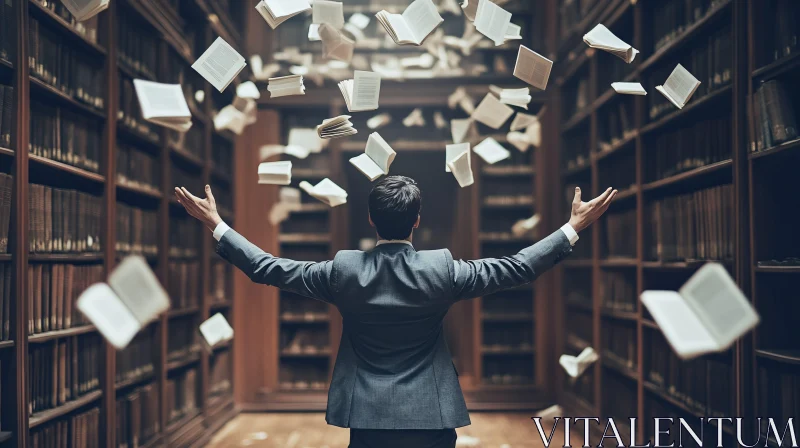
pixel 481 277
pixel 305 278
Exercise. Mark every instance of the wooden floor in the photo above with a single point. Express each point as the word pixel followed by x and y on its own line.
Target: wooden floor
pixel 308 430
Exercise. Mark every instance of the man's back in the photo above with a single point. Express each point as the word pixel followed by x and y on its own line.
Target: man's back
pixel 393 360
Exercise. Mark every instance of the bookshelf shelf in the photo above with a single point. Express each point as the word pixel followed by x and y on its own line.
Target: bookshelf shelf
pixel 688 175
pixel 574 304
pixel 41 12
pixel 576 342
pixel 45 416
pixel 41 88
pixel 135 381
pixel 782 356
pixel 580 168
pixel 621 369
pixel 187 157
pixel 6 344
pixel 6 65
pixel 183 312
pixel 618 262
pixel 778 269
pixel 576 119
pixel 650 324
pixel 684 39
pixel 776 68
pixel 139 191
pixel 131 72
pixel 5 436
pixel 7 152
pixel 67 258
pixel 67 169
pixel 5 257
pixel 619 315
pixel 664 395
pixel 50 335
pixel 782 149
pixel 220 306
pixel 223 346
pixel 711 99
pixel 125 133
pixel 623 195
pixel 617 147
pixel 183 363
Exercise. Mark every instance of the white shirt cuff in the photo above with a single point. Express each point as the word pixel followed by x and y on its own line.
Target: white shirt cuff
pixel 571 234
pixel 220 230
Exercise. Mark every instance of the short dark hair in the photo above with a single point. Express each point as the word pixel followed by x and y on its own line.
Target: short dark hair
pixel 394 205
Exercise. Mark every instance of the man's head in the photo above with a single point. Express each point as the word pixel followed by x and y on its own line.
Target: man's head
pixel 394 205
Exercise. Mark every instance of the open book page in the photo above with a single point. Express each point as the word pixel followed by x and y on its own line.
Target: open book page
pixel 451 152
pixel 532 67
pixel 679 87
pixel 522 121
pixel 576 365
pixel 460 129
pixel 367 166
pixel 684 331
pixel 491 152
pixel 139 289
pixel 307 138
pixel 216 330
pixel 230 118
pixel 519 140
pixel 334 44
pixel 380 152
pixel 492 112
pixel 286 8
pixel 366 90
pixel 397 28
pixel 220 64
pixel 326 191
pixel 492 21
pixel 275 173
pixel 161 100
pixel 602 38
pixel 513 32
pixel 461 167
pixel 329 12
pixel 629 88
pixel 296 151
pixel 422 18
pixel 534 133
pixel 101 305
pixel 719 304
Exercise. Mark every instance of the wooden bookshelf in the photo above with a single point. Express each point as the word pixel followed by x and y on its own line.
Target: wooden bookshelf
pixel 751 177
pixel 105 51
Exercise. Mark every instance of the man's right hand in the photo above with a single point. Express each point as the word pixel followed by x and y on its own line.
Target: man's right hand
pixel 585 213
pixel 204 210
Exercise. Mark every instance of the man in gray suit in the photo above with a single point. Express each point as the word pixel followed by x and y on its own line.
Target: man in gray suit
pixel 394 383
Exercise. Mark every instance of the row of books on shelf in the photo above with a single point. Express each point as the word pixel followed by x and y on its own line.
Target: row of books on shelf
pixel 6 189
pixel 63 221
pixel 624 404
pixel 192 181
pixel 129 113
pixel 575 150
pixel 182 338
pixel 513 337
pixel 137 417
pixel 618 229
pixel 191 141
pixel 571 13
pixel 137 231
pixel 7 109
pixel 67 137
pixel 619 343
pixel 68 69
pixel 703 385
pixel 8 41
pixel 184 237
pixel 136 47
pixel 222 156
pixel 181 395
pixel 309 341
pixel 86 28
pixel 504 373
pixel 64 370
pixel 137 168
pixel 220 281
pixel 694 226
pixel 779 39
pixel 184 284
pixel 618 291
pixel 688 147
pixel 616 124
pixel 136 360
pixel 778 395
pixel 672 17
pixel 503 305
pixel 76 431
pixel 774 118
pixel 711 63
pixel 220 373
pixel 53 291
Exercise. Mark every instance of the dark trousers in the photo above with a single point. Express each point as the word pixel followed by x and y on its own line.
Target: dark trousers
pixel 402 438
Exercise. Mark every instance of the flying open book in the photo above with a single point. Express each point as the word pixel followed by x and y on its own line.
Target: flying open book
pixel 679 87
pixel 325 11
pixel 336 127
pixel 514 97
pixel 415 118
pixel 628 88
pixel 377 158
pixel 163 104
pixel 288 201
pixel 276 12
pixel 275 173
pixel 215 331
pixel 326 191
pixel 522 121
pixel 492 112
pixel 379 121
pixel 491 152
pixel 363 92
pixel 131 299
pixel 451 152
pixel 461 98
pixel 219 64
pixel 576 365
pixel 307 138
pixel 414 25
pixel 525 227
pixel 602 38
pixel 520 140
pixel 708 314
pixel 335 45
pixel 459 162
pixel 285 86
pixel 492 21
pixel 249 90
pixel 461 129
pixel 230 118
pixel 84 9
pixel 532 67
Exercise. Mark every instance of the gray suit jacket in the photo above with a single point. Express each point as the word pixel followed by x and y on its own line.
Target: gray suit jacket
pixel 394 370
